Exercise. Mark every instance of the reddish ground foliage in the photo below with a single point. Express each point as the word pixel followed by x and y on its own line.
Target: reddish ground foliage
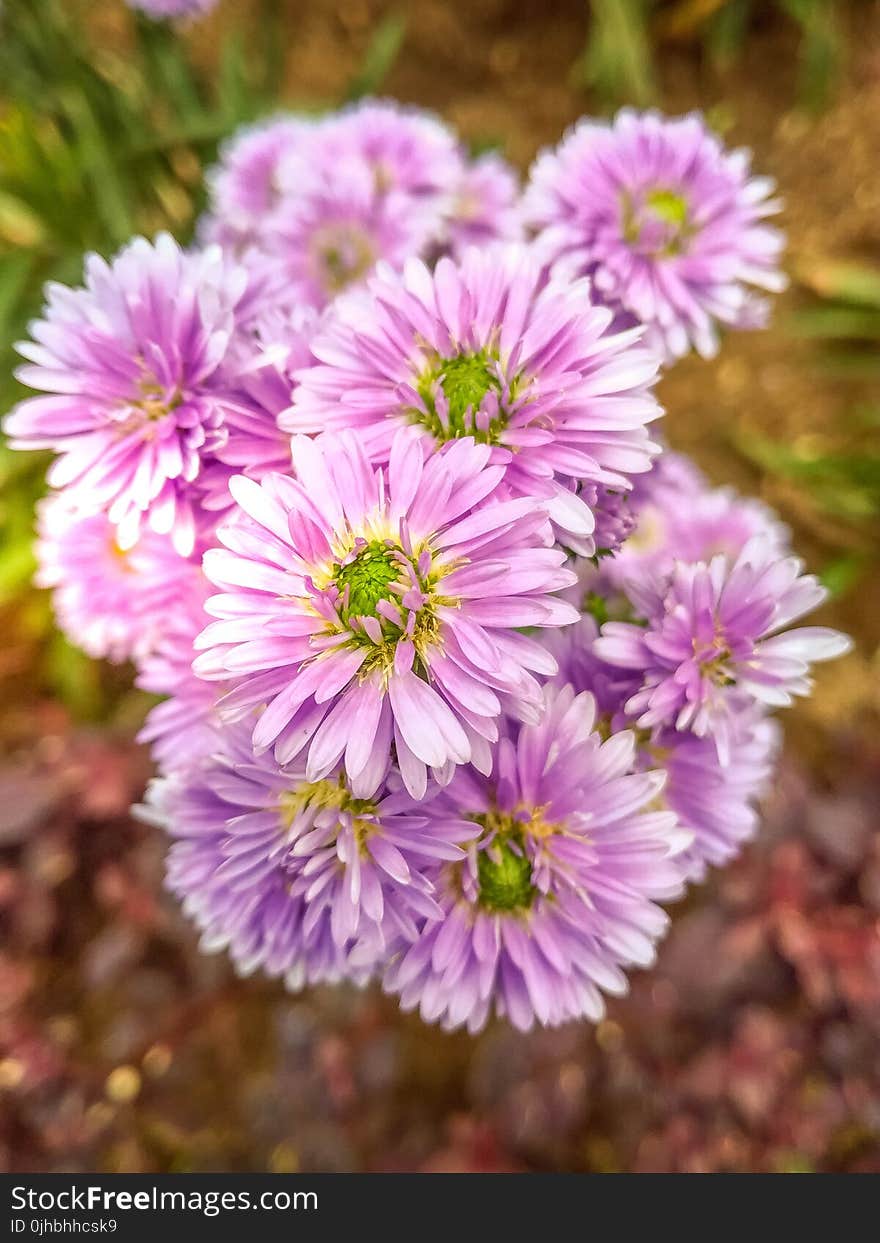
pixel 752 1046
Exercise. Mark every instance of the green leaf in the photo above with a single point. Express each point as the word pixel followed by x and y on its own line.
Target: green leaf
pixel 379 59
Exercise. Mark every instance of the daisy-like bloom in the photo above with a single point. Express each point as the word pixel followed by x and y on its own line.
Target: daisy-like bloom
pixel 482 349
pixel 260 377
pixel 715 802
pixel 406 150
pixel 484 206
pixel 715 637
pixel 676 516
pixel 559 891
pixel 666 222
pixel 365 606
pixel 245 188
pixel 173 8
pixel 305 879
pixel 129 365
pixel 185 726
pixel 111 601
pixel 333 226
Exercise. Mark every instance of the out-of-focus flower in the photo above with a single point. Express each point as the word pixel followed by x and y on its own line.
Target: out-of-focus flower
pixel 678 517
pixel 244 187
pixel 715 637
pixel 304 879
pixel 130 365
pixel 481 349
pixel 184 727
pixel 366 606
pixel 111 601
pixel 668 225
pixel 558 894
pixel 173 8
pixel 484 206
pixel 716 802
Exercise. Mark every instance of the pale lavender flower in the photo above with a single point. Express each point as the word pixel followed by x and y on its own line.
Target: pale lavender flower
pixel 667 223
pixel 558 893
pixel 677 516
pixel 365 606
pixel 244 188
pixel 715 802
pixel 111 601
pixel 484 206
pixel 304 879
pixel 482 349
pixel 715 637
pixel 406 150
pixel 129 365
pixel 333 226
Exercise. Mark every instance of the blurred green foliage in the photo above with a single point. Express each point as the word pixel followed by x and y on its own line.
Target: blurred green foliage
pixel 838 474
pixel 619 61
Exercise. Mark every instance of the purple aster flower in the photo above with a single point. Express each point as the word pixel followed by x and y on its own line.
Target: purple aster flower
pixel 368 605
pixel 128 364
pixel 615 517
pixel 715 802
pixel 559 891
pixel 678 517
pixel 333 226
pixel 484 206
pixel 305 879
pixel 406 150
pixel 668 225
pixel 173 8
pixel 574 650
pixel 244 188
pixel 259 380
pixel 481 349
pixel 715 638
pixel 111 601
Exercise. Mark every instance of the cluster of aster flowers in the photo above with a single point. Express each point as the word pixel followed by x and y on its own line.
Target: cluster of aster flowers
pixel 463 674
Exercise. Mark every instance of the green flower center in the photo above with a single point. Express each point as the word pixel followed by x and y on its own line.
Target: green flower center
pixel 368 578
pixel 668 206
pixel 323 795
pixel 344 254
pixel 152 400
pixel 657 222
pixel 464 382
pixel 504 875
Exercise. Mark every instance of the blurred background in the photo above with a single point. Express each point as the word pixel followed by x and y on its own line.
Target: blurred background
pixel 755 1044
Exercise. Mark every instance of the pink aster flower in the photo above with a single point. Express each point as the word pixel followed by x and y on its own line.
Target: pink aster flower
pixel 484 206
pixel 185 726
pixel 483 350
pixel 333 226
pixel 666 222
pixel 129 364
pixel 715 637
pixel 406 150
pixel 364 606
pixel 259 380
pixel 244 188
pixel 558 893
pixel 111 601
pixel 305 879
